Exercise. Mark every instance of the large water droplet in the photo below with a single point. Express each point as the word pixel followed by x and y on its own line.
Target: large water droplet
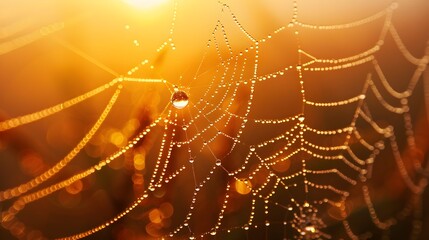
pixel 179 99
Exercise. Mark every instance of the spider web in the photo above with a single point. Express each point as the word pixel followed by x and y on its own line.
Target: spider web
pixel 280 139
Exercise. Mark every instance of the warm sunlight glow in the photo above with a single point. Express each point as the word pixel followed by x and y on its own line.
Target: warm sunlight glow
pixel 145 4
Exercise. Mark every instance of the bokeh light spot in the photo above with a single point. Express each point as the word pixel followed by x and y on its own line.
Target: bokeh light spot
pixel 117 138
pixel 156 216
pixel 139 161
pixel 281 166
pixel 75 187
pixel 243 186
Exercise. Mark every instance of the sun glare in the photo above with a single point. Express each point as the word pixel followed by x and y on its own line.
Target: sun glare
pixel 145 4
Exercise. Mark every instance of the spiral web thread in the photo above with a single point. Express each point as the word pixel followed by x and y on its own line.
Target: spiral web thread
pixel 194 132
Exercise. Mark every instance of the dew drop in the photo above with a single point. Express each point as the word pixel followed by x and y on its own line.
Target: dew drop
pixel 179 99
pixel 218 162
pixel 310 229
